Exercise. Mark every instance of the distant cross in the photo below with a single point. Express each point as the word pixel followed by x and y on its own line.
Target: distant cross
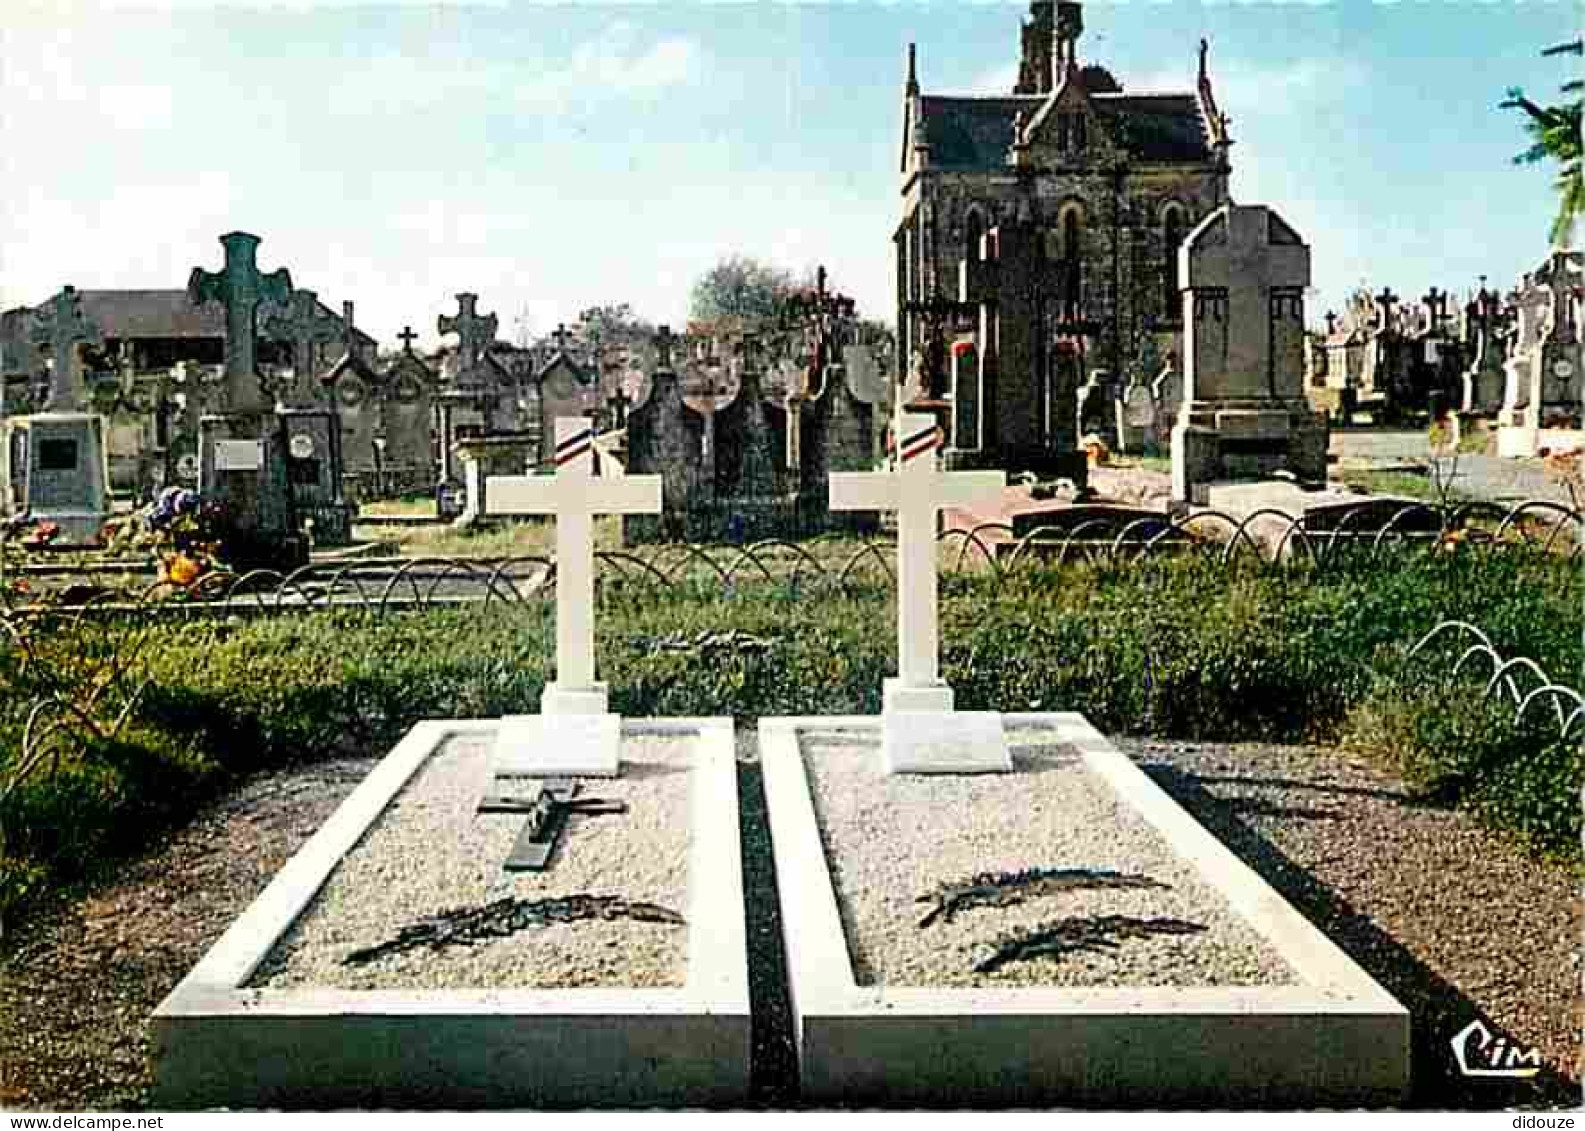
pixel 474 331
pixel 1436 303
pixel 561 337
pixel 241 287
pixel 407 337
pixel 917 492
pixel 574 495
pixel 1331 323
pixel 64 326
pixel 306 326
pixel 1384 302
pixel 664 342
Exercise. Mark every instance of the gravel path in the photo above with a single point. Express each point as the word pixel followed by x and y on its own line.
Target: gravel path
pixel 890 840
pixel 1453 920
pixel 431 852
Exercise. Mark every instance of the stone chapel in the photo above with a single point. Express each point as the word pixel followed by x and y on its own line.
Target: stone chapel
pixel 1097 188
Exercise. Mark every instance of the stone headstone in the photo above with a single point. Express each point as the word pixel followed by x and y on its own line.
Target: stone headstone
pixel 1136 420
pixel 1167 391
pixel 1244 414
pixel 1546 370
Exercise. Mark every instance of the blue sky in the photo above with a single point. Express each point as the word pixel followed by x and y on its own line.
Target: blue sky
pixel 554 156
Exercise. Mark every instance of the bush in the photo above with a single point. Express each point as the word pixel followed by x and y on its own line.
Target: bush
pixel 1453 747
pixel 1169 647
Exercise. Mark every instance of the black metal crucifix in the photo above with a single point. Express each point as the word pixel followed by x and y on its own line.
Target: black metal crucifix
pixel 547 813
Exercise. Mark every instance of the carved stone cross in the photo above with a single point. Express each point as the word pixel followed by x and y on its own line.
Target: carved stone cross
pixel 923 734
pixel 241 287
pixel 306 326
pixel 474 331
pixel 581 736
pixel 1011 282
pixel 407 337
pixel 64 326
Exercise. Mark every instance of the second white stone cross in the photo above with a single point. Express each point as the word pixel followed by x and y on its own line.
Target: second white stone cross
pixel 574 734
pixel 921 731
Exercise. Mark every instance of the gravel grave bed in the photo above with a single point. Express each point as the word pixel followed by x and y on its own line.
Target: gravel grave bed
pixel 1453 920
pixel 431 852
pixel 890 840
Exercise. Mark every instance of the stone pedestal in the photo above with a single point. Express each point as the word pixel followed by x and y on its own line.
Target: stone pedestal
pixel 485 456
pixel 1214 442
pixel 57 472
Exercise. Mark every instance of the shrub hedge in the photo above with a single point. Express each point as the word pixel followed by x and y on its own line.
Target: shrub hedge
pixel 1170 647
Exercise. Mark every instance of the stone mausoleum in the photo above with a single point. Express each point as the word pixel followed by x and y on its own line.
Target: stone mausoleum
pixel 1106 183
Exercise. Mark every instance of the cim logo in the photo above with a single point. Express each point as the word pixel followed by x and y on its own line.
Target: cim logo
pixel 1481 1052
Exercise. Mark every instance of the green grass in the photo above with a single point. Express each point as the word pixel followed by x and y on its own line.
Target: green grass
pixel 1433 486
pixel 1169 647
pixel 411 506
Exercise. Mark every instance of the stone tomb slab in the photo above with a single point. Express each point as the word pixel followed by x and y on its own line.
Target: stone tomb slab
pixel 590 1013
pixel 1181 977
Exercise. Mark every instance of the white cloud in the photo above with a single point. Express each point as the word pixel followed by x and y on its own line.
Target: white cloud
pixel 612 64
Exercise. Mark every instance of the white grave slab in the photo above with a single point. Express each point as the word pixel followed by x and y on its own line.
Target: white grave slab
pixel 574 734
pixel 923 732
pixel 1139 1024
pixel 226 1038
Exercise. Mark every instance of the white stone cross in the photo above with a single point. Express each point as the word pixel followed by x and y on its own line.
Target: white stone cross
pixel 574 734
pixel 922 732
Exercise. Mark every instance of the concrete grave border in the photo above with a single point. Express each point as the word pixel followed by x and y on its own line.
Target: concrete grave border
pixel 217 1043
pixel 1338 1038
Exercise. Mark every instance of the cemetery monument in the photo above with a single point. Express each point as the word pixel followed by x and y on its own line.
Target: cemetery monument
pixel 1244 413
pixel 54 462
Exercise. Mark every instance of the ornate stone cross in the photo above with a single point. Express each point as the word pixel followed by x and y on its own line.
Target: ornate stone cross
pixel 64 326
pixel 474 331
pixel 574 734
pixel 306 326
pixel 241 287
pixel 922 732
pixel 1006 404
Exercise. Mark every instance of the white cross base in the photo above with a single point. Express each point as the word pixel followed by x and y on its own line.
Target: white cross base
pixel 551 745
pixel 921 733
pixel 575 734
